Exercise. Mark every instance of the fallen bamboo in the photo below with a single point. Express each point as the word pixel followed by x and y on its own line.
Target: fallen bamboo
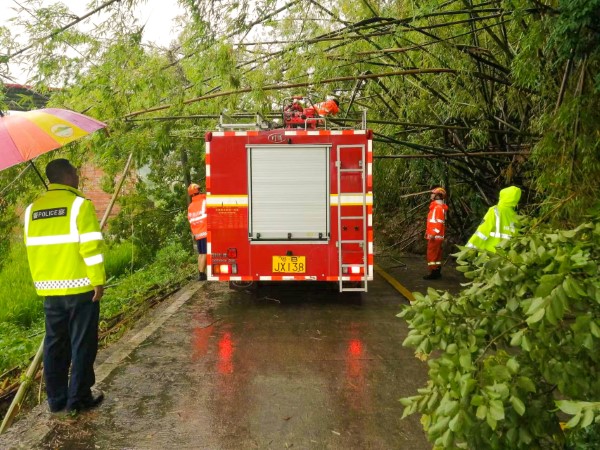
pixel 276 87
pixel 13 408
pixel 452 155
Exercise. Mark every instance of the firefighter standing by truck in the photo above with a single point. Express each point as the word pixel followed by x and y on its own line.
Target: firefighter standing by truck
pixel 435 232
pixel 64 248
pixel 198 224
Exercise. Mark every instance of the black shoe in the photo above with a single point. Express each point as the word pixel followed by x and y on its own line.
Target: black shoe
pixel 57 409
pixel 84 405
pixel 201 276
pixel 433 275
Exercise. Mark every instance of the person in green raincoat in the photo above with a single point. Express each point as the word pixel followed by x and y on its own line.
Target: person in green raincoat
pixel 500 223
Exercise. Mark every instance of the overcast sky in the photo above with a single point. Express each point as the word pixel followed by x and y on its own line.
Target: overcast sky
pixel 158 16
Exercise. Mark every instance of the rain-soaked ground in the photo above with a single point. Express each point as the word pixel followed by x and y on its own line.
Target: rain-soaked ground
pixel 287 366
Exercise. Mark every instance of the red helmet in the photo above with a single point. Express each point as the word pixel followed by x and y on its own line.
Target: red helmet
pixel 193 189
pixel 439 191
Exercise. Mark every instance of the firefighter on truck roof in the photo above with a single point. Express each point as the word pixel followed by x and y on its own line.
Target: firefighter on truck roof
pixel 330 107
pixel 198 224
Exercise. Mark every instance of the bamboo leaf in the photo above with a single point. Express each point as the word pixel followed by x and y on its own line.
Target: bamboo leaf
pixel 517 404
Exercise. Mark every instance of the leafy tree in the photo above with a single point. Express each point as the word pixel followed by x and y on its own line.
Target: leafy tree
pixel 518 345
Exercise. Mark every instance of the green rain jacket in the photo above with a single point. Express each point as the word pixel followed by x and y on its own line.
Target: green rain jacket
pixel 64 243
pixel 500 223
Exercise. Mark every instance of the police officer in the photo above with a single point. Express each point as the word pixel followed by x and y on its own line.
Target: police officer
pixel 64 248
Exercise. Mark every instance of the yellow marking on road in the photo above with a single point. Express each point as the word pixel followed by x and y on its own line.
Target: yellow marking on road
pixel 395 283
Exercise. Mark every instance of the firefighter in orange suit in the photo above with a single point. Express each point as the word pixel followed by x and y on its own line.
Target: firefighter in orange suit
pixel 435 231
pixel 330 107
pixel 198 223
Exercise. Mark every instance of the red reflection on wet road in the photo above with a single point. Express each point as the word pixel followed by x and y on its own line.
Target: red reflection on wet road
pixel 355 374
pixel 354 363
pixel 225 363
pixel 355 347
pixel 200 340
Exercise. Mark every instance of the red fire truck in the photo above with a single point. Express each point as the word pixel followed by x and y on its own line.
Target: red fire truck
pixel 292 203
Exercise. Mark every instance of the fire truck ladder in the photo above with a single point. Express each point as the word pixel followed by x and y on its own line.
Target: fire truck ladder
pixel 341 219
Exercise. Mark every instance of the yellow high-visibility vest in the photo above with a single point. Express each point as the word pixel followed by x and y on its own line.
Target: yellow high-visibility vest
pixel 64 243
pixel 500 223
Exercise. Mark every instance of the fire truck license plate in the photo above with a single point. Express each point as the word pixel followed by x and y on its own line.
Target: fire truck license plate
pixel 289 264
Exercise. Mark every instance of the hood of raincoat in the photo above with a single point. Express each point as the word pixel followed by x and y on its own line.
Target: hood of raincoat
pixel 509 196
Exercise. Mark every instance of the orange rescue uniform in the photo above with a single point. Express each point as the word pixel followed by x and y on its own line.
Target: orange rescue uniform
pixel 197 216
pixel 327 108
pixel 436 229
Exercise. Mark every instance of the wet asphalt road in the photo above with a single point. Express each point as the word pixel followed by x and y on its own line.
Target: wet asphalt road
pixel 288 366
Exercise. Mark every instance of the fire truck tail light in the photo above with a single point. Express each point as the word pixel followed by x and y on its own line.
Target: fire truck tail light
pixel 232 253
pixel 208 137
pixel 354 270
pixel 224 269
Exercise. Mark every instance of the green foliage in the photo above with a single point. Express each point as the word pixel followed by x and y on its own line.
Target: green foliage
pixel 19 303
pixel 516 346
pixel 121 258
pixel 558 56
pixel 171 267
pixel 21 310
pixel 18 344
pixel 152 216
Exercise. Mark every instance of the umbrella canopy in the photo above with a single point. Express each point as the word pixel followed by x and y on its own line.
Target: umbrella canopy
pixel 23 136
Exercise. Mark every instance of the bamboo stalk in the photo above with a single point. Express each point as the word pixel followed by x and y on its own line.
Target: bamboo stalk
pixel 276 87
pixel 117 191
pixel 452 155
pixel 13 408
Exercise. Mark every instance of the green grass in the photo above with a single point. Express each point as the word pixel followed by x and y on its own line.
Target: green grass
pixel 19 304
pixel 121 258
pixel 21 310
pixel 171 266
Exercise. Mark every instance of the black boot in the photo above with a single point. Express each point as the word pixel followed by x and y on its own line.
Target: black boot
pixel 435 274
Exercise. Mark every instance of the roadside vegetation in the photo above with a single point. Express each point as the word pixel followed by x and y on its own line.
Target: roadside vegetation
pixel 130 288
pixel 511 356
pixel 473 96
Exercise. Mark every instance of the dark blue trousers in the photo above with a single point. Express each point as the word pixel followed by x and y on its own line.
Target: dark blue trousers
pixel 71 341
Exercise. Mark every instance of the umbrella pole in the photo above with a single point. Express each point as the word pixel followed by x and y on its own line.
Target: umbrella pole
pixel 39 174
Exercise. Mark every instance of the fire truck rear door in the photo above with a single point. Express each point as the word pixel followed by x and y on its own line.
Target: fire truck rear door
pixel 288 192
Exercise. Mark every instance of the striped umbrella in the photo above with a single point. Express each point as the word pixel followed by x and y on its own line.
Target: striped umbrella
pixel 23 136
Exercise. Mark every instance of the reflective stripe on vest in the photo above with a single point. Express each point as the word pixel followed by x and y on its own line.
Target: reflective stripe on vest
pixel 72 237
pixel 61 284
pixel 92 260
pixel 434 219
pixel 497 232
pixel 88 237
pixel 481 236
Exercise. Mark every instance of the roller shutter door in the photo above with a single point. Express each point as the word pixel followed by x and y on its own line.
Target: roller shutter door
pixel 289 192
